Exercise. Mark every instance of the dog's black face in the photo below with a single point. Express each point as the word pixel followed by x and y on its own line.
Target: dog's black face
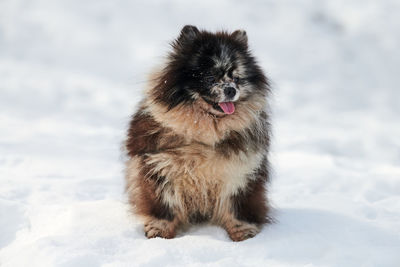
pixel 215 67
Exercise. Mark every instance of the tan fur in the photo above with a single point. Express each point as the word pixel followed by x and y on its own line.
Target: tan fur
pixel 196 123
pixel 197 178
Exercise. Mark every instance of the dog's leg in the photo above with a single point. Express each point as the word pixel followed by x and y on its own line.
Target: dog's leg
pixel 159 218
pixel 240 230
pixel 249 209
pixel 145 196
pixel 154 227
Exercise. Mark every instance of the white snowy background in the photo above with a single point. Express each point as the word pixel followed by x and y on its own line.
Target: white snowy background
pixel 71 73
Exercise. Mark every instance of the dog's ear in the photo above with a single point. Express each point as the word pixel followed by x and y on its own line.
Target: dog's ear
pixel 188 33
pixel 240 36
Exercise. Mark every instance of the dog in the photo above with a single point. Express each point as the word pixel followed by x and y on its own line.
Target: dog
pixel 198 144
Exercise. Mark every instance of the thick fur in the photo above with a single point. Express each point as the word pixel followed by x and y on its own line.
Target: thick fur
pixel 188 161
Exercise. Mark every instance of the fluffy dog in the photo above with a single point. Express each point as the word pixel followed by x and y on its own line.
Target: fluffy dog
pixel 199 141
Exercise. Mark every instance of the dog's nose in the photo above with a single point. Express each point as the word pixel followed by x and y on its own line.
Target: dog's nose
pixel 230 92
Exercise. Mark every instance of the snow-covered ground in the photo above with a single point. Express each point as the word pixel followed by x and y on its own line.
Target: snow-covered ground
pixel 72 71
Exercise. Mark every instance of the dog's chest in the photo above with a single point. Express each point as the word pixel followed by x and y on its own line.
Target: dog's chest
pixel 199 178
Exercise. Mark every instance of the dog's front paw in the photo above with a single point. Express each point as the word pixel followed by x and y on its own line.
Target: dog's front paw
pixel 241 231
pixel 159 228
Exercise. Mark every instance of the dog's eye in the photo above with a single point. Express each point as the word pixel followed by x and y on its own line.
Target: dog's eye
pixel 236 79
pixel 209 79
pixel 230 72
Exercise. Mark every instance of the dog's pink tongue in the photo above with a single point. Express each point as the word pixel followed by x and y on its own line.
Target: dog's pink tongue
pixel 227 107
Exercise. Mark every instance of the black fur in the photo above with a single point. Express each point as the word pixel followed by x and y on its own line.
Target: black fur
pixel 192 70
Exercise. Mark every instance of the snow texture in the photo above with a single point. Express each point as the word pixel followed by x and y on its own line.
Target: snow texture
pixel 71 73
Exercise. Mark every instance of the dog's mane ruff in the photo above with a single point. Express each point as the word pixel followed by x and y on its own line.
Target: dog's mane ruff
pixel 192 121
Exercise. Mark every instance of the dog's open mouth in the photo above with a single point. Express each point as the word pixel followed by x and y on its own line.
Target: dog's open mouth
pixel 227 107
pixel 223 107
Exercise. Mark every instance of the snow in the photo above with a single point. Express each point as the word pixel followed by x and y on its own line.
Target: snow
pixel 71 73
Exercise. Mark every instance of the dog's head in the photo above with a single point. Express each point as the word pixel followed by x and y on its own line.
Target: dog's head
pixel 214 68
